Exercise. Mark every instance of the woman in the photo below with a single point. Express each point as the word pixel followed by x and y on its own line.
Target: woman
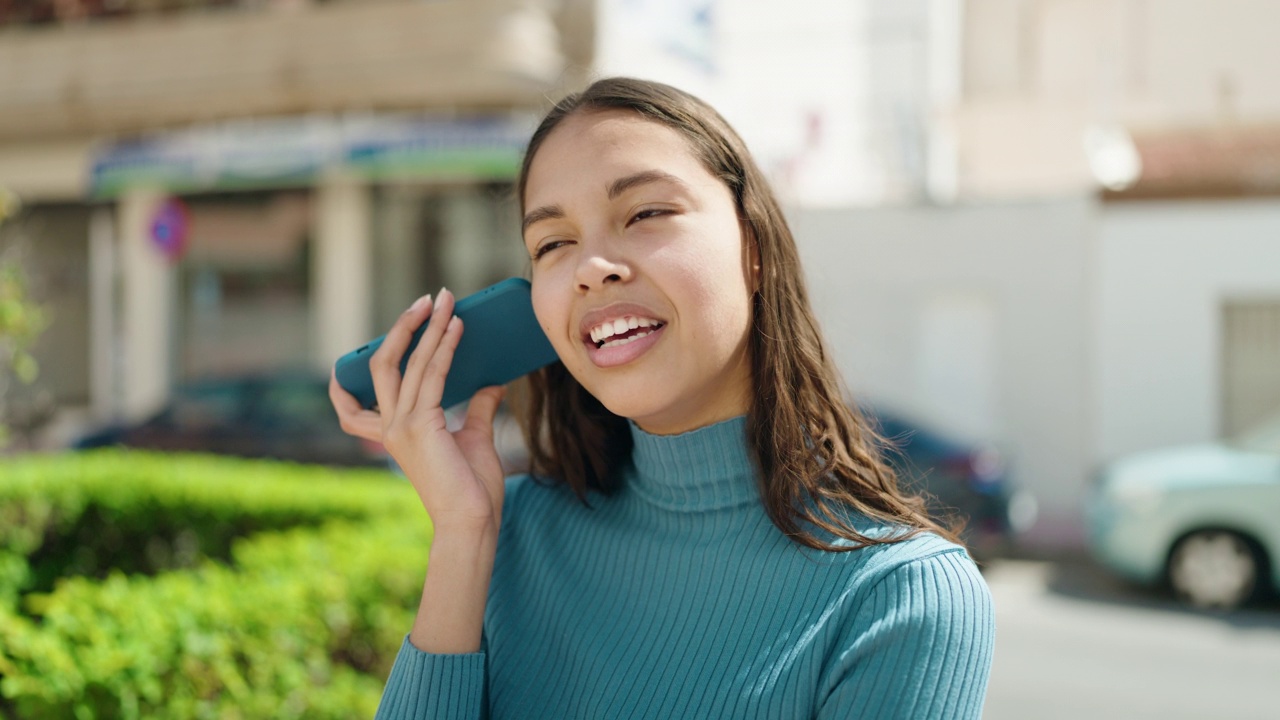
pixel 711 532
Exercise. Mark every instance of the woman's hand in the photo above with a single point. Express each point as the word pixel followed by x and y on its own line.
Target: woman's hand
pixel 458 475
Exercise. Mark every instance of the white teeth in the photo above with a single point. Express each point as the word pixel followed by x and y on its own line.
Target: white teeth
pixel 611 328
pixel 625 340
pixel 608 329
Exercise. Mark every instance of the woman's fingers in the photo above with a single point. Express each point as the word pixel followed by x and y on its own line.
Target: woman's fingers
pixel 424 362
pixel 483 408
pixel 384 365
pixel 432 390
pixel 353 418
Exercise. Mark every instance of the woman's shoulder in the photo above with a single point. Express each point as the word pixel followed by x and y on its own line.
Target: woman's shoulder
pixel 918 635
pixel 923 564
pixel 924 592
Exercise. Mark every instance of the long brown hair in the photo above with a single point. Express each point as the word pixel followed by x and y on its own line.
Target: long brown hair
pixel 819 460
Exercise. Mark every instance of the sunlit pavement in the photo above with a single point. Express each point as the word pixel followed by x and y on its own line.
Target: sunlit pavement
pixel 1073 642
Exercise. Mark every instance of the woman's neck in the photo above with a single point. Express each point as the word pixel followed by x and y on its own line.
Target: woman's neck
pixel 709 468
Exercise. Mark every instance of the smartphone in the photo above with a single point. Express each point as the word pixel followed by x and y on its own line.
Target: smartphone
pixel 501 341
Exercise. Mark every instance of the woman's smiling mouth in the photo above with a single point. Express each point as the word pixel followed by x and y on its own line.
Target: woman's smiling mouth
pixel 620 333
pixel 623 330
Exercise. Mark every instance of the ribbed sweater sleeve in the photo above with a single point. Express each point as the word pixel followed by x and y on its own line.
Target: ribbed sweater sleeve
pixel 425 686
pixel 919 647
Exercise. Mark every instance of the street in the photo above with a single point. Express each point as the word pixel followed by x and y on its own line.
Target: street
pixel 1074 642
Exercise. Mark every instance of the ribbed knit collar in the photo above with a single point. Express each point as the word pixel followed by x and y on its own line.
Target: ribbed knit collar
pixel 704 469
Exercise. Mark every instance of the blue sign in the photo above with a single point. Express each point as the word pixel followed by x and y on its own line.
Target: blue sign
pixel 170 227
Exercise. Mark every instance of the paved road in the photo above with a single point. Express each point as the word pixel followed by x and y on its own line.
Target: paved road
pixel 1072 642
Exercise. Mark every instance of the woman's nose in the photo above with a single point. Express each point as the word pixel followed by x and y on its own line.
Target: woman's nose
pixel 597 270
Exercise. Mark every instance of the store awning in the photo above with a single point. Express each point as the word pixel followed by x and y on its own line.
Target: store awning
pixel 284 152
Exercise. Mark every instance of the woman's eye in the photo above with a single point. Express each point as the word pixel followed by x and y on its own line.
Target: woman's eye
pixel 648 213
pixel 547 247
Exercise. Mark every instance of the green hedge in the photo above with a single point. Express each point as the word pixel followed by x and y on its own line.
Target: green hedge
pixel 135 585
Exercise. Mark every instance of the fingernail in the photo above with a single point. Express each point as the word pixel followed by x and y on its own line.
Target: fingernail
pixel 421 302
pixel 444 290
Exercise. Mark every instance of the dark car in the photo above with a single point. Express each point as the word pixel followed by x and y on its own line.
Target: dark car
pixel 965 481
pixel 286 417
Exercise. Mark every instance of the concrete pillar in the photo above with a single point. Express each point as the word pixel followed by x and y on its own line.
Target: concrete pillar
pixel 148 297
pixel 467 227
pixel 401 251
pixel 104 339
pixel 342 270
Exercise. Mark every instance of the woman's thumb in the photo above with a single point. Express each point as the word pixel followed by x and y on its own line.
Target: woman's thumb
pixel 483 407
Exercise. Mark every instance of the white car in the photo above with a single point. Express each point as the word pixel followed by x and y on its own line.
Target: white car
pixel 1204 519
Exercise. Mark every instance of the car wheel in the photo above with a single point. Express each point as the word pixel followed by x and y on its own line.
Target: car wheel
pixel 1214 569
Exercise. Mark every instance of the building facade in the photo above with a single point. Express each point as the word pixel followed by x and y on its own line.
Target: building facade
pixel 1046 224
pixel 224 187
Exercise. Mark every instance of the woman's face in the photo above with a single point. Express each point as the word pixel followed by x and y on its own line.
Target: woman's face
pixel 641 276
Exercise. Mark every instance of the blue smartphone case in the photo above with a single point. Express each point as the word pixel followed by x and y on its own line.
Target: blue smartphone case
pixel 501 341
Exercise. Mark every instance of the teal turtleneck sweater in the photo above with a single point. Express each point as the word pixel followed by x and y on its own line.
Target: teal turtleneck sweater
pixel 676 597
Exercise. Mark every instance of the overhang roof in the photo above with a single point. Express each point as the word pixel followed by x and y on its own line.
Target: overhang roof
pixel 1218 161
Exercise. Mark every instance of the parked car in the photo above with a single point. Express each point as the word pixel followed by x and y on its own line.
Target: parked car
pixel 964 480
pixel 1202 520
pixel 283 416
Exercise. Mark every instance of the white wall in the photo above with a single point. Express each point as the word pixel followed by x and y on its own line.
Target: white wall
pixel 974 319
pixel 1165 270
pixel 1067 332
pixel 794 79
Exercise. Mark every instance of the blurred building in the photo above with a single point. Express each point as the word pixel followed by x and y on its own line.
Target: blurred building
pixel 221 186
pixel 1045 78
pixel 1088 264
pixel 1047 224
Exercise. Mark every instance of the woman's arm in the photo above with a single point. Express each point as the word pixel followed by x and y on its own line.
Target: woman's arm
pixel 451 613
pixel 459 479
pixel 919 647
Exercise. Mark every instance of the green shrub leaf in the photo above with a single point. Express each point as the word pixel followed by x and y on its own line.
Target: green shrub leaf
pixel 137 585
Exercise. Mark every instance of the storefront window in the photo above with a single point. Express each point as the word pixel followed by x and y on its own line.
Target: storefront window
pixel 244 285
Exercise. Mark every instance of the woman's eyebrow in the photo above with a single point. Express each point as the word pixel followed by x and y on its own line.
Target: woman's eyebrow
pixel 616 188
pixel 546 212
pixel 623 184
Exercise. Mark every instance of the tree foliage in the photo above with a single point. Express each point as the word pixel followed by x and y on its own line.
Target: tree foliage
pixel 22 319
